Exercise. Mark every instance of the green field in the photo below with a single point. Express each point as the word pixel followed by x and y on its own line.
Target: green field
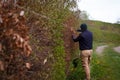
pixel 105 66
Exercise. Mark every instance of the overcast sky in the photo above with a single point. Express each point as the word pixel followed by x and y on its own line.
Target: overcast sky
pixel 103 10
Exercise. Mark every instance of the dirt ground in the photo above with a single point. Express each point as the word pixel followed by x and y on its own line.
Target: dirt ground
pixel 100 49
pixel 117 49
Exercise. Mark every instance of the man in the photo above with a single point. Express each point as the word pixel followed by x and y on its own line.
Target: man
pixel 85 40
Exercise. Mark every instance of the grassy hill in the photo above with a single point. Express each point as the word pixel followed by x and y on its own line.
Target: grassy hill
pixel 105 67
pixel 104 32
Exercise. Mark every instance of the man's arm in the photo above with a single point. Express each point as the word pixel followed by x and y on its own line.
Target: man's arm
pixel 75 39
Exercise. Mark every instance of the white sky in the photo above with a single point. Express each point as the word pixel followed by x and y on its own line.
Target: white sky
pixel 103 10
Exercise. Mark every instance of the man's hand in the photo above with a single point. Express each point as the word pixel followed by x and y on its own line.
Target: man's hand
pixel 72 30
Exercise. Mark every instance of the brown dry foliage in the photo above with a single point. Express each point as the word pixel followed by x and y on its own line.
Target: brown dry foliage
pixel 14 47
pixel 69 44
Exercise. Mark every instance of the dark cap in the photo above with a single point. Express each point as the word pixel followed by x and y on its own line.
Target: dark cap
pixel 83 27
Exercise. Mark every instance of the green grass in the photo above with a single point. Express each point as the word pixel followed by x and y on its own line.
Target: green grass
pixel 104 32
pixel 76 73
pixel 106 67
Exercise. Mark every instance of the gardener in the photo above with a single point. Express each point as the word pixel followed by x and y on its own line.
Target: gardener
pixel 85 39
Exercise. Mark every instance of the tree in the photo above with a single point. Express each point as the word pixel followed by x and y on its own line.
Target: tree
pixel 84 15
pixel 118 21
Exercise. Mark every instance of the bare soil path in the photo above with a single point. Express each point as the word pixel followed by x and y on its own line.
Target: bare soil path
pixel 117 49
pixel 100 49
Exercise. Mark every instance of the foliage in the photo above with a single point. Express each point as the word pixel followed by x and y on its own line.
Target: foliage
pixel 14 47
pixel 84 15
pixel 45 18
pixel 76 73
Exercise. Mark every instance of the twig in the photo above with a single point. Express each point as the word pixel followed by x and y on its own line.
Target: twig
pixel 33 12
